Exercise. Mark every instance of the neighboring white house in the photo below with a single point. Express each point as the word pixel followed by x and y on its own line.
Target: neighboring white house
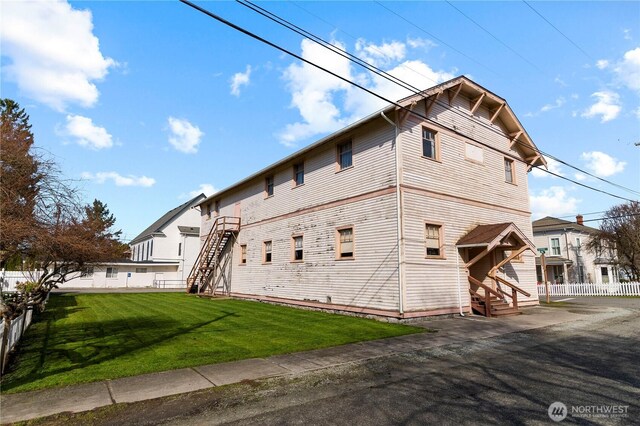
pixel 567 258
pixel 162 255
pixel 395 215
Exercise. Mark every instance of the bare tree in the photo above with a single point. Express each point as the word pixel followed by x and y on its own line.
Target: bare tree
pixel 620 232
pixel 43 224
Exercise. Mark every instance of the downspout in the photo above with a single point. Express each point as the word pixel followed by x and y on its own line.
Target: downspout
pixel 398 218
pixel 458 279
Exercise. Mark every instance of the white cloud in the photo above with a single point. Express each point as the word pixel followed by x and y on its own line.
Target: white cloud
pixel 312 92
pixel 417 43
pixel 240 79
pixel 552 165
pixel 118 179
pixel 557 104
pixel 627 33
pixel 553 201
pixel 560 81
pixel 326 103
pixel 601 164
pixel 580 176
pixel 628 70
pixel 86 133
pixel 607 107
pixel 205 188
pixel 54 56
pixel 381 54
pixel 185 136
pixel 602 64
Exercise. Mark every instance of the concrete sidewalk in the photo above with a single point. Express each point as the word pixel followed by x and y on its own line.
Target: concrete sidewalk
pixel 30 405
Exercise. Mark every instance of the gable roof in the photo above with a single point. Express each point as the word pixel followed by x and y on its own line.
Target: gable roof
pixel 156 227
pixel 493 235
pixel 467 87
pixel 554 224
pixel 521 141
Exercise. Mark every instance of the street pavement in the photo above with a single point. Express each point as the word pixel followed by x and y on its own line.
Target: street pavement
pixel 472 370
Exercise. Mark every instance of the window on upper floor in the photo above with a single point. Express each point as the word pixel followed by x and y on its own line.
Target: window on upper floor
pixel 179 249
pixel 433 240
pixel 509 175
pixel 216 210
pixel 430 143
pixel 268 186
pixel 555 246
pixel 267 251
pixel 209 211
pixel 345 243
pixel 298 174
pixel 344 154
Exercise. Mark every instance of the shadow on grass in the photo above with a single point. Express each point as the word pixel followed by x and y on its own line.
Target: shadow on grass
pixel 80 345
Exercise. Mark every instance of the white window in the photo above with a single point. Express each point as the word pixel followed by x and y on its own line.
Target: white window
pixel 345 156
pixel 267 251
pixel 268 186
pixel 345 243
pixel 509 175
pixel 112 272
pixel 298 251
pixel 141 270
pixel 429 143
pixel 243 254
pixel 433 241
pixel 86 272
pixel 298 174
pixel 555 246
pixel 179 249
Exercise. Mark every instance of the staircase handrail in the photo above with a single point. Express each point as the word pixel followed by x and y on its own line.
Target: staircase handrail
pixel 486 288
pixel 513 286
pixel 220 221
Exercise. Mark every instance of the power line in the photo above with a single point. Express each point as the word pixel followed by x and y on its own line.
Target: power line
pixel 372 68
pixel 594 220
pixel 496 38
pixel 582 214
pixel 558 30
pixel 282 49
pixel 435 37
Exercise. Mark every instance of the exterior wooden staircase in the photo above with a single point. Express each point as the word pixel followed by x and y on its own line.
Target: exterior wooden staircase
pixel 210 271
pixel 494 303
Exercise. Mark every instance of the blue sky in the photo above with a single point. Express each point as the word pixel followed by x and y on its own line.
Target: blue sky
pixel 146 103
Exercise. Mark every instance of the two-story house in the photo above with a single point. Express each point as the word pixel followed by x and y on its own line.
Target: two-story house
pixel 418 209
pixel 161 255
pixel 567 259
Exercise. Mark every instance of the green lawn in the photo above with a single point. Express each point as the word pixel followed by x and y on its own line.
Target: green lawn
pixel 88 337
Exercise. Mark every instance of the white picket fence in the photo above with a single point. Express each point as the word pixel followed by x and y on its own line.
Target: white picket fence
pixel 589 289
pixel 17 327
pixel 9 279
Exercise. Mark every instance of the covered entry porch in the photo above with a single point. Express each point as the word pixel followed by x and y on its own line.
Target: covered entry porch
pixel 488 251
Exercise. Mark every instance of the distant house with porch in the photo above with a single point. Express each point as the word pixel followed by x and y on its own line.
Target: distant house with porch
pixel 162 255
pixel 567 258
pixel 413 211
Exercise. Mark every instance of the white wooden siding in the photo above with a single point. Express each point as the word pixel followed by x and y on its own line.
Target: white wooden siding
pixel 369 280
pixel 373 169
pixel 432 283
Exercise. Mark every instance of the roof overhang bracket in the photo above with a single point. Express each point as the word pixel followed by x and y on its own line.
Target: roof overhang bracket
pixel 477 102
pixel 429 102
pixel 496 113
pixel 514 138
pixel 405 113
pixel 454 95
